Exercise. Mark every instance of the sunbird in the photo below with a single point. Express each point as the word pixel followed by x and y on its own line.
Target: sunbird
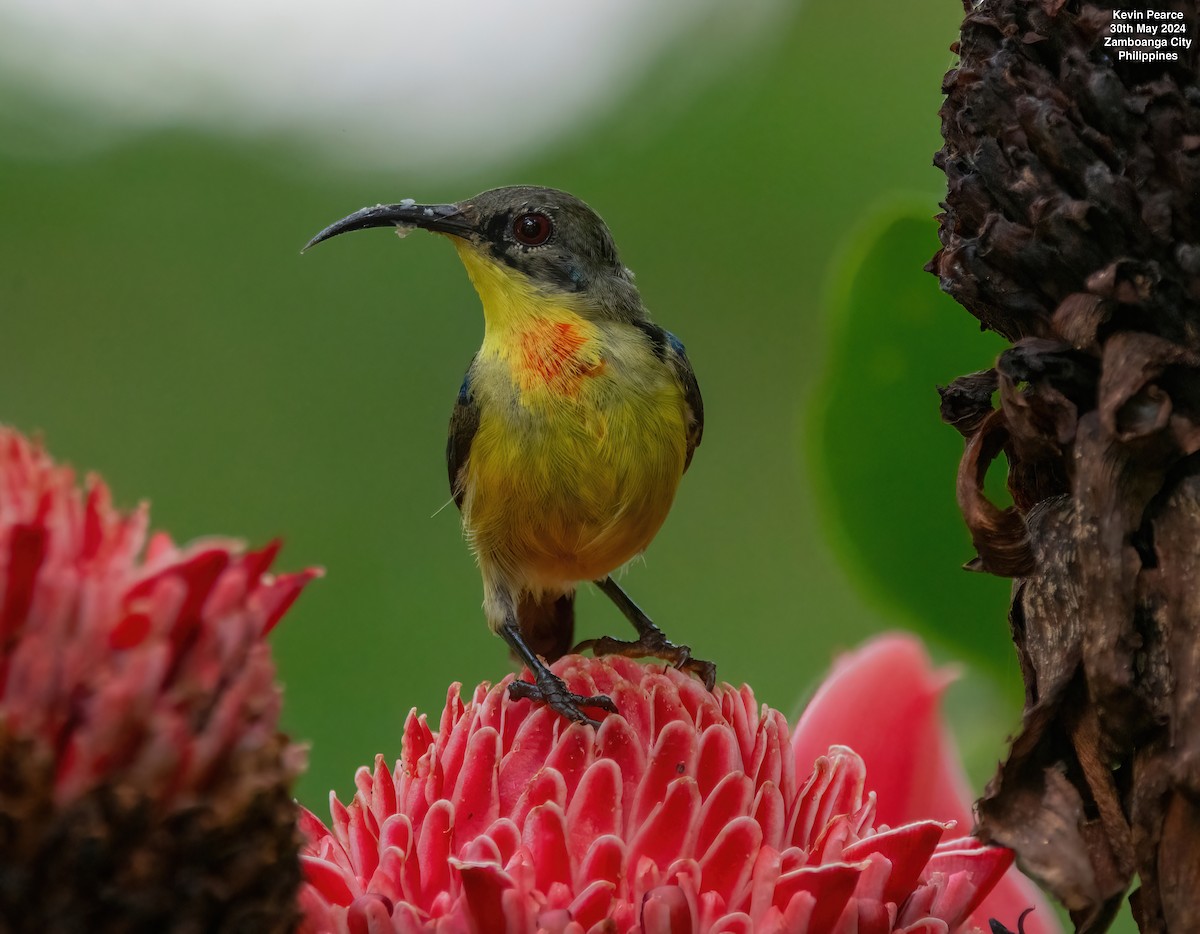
pixel 573 426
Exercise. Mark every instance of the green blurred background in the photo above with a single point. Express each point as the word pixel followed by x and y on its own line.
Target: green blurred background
pixel 158 325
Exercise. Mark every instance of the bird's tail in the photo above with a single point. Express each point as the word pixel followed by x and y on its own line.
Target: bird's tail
pixel 548 624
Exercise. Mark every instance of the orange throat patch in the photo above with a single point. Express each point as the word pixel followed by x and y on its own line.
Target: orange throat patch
pixel 556 355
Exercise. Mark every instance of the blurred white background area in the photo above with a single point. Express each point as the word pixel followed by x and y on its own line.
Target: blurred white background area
pixel 372 83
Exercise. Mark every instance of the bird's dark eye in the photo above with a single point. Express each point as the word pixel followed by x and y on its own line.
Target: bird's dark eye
pixel 532 229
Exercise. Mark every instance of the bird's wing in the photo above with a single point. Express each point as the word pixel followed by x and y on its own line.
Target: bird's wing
pixel 669 348
pixel 464 422
pixel 682 368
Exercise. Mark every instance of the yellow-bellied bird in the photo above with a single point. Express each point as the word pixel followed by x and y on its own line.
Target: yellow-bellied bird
pixel 573 426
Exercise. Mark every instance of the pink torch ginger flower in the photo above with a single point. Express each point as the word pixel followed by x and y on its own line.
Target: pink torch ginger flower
pixel 145 781
pixel 882 701
pixel 688 812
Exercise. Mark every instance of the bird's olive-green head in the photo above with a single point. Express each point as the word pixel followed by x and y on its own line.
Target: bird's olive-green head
pixel 544 239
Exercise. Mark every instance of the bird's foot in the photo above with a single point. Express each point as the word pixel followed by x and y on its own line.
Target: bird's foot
pixel 654 644
pixel 551 690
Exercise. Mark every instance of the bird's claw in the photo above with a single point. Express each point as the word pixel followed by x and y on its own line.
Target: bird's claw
pixel 552 691
pixel 706 671
pixel 654 645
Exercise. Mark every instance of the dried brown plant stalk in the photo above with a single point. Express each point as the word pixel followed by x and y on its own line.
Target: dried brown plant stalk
pixel 1072 227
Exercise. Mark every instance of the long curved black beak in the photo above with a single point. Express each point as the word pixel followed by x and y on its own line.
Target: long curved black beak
pixel 441 218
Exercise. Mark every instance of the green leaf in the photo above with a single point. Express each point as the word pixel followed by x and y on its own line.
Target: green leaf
pixel 885 464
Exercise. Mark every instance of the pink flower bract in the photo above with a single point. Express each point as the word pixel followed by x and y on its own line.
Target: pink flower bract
pixel 882 700
pixel 146 784
pixel 686 813
pixel 149 669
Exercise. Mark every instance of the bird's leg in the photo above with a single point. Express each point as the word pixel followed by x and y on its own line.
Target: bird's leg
pixel 547 687
pixel 651 641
